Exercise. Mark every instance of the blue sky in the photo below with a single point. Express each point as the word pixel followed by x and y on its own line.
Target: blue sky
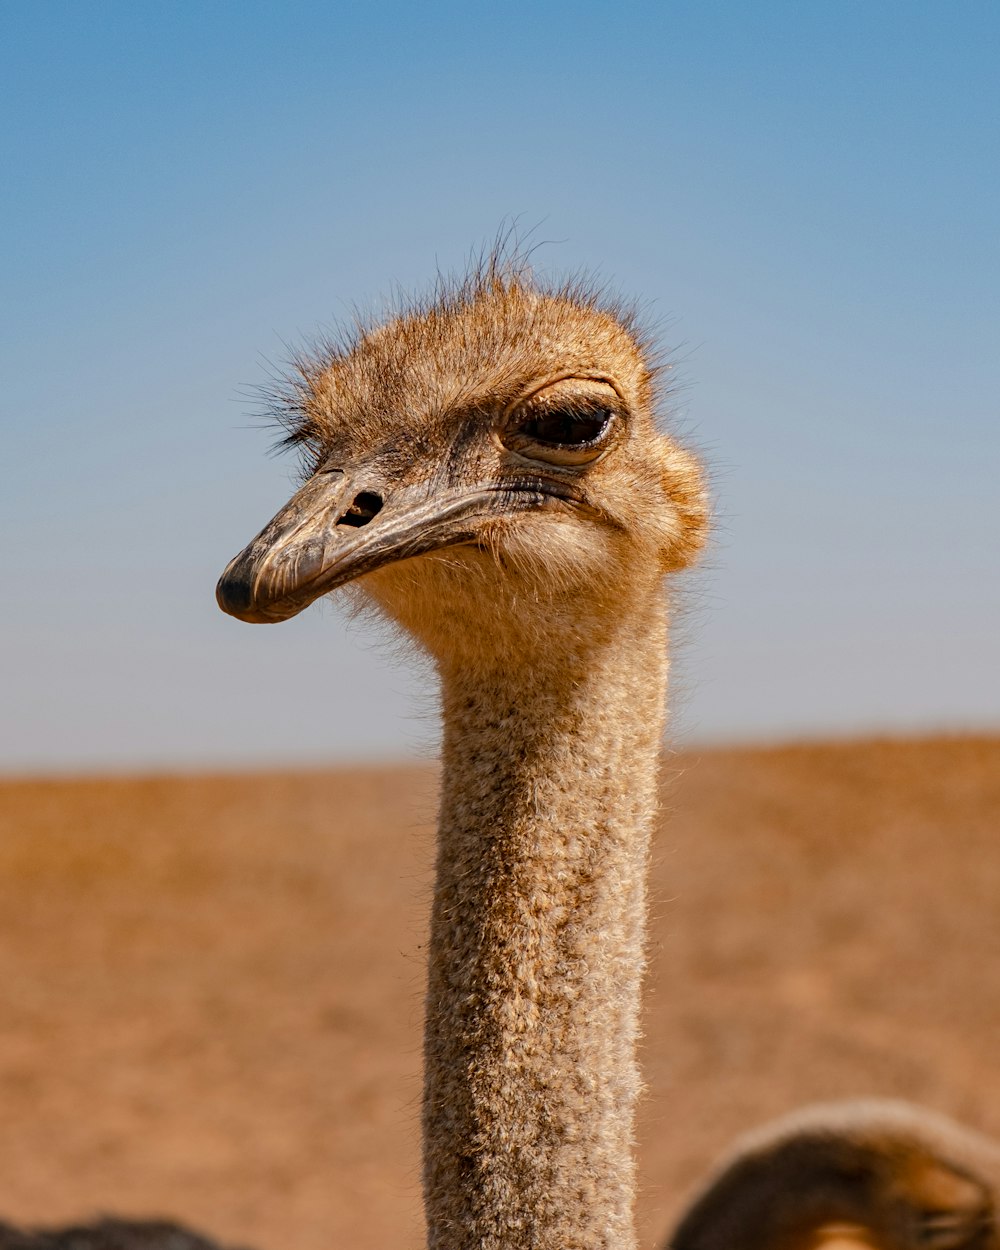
pixel 805 196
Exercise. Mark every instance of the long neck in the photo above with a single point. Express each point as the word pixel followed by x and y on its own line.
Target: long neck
pixel 536 952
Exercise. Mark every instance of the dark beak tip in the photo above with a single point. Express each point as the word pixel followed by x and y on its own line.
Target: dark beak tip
pixel 234 595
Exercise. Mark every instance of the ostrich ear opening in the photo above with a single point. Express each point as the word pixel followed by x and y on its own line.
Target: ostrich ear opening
pixel 684 485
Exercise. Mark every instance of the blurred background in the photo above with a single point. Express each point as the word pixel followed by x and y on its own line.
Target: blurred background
pixel 803 197
pixel 211 983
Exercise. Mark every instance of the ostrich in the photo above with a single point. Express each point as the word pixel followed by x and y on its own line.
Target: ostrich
pixel 872 1175
pixel 487 468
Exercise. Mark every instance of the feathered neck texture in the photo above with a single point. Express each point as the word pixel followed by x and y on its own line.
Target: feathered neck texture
pixel 536 956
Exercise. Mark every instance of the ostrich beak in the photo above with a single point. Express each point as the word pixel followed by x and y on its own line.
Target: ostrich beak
pixel 335 529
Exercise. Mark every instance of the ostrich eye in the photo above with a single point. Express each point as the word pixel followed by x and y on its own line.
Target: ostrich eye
pixel 569 423
pixel 565 427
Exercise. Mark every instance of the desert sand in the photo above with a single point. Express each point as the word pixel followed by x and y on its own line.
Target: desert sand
pixel 211 986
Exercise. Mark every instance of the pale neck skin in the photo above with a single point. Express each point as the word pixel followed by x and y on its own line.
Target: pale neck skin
pixel 536 955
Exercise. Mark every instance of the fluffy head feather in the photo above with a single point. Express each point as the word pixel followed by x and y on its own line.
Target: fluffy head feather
pixel 425 403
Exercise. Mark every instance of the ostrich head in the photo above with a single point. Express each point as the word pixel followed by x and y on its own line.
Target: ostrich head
pixel 878 1175
pixel 488 464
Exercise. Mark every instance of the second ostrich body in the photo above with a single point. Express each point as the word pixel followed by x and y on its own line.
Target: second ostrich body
pixel 490 465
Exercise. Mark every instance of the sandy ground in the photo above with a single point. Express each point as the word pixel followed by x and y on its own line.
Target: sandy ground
pixel 210 987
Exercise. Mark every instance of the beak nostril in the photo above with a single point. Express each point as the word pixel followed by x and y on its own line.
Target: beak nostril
pixel 365 507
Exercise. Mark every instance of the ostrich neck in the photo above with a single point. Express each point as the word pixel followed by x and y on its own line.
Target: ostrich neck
pixel 536 953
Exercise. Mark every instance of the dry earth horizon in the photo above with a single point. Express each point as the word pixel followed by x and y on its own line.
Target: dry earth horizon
pixel 212 984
